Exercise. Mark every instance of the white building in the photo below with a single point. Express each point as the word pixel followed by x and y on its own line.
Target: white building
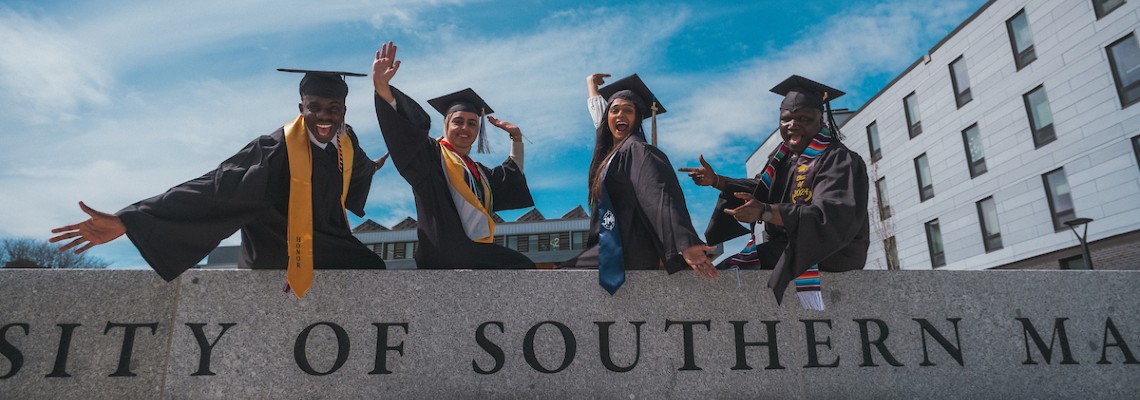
pixel 1023 118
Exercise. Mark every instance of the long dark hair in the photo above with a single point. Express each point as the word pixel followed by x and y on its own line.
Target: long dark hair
pixel 605 146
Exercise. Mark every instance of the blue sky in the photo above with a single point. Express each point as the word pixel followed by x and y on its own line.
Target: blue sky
pixel 112 102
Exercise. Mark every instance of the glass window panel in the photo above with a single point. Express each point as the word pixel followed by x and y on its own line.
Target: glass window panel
pixel 1039 108
pixel 913 119
pixel 1022 37
pixel 925 182
pixel 579 240
pixel 409 249
pixel 1074 262
pixel 1125 57
pixel 1062 195
pixel 1104 7
pixel 513 242
pixel 974 144
pixel 873 141
pixel 934 243
pixel 532 243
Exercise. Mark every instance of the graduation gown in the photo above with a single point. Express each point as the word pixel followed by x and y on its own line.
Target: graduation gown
pixel 650 210
pixel 443 244
pixel 826 225
pixel 250 191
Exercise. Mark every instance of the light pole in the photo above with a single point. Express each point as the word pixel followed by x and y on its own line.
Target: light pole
pixel 1073 224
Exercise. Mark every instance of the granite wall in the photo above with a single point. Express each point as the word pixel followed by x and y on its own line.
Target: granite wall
pixel 528 334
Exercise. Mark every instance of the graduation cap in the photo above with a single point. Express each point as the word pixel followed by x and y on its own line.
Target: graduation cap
pixel 469 101
pixel 327 84
pixel 800 92
pixel 633 88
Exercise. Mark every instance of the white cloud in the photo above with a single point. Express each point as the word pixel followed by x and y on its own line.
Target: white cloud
pixel 45 74
pixel 736 108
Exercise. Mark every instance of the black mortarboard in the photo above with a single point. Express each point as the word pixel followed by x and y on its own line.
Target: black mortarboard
pixel 463 100
pixel 634 84
pixel 469 101
pixel 327 84
pixel 800 92
pixel 633 89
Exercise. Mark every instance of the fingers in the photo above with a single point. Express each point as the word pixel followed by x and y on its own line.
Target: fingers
pixel 85 247
pixel 67 235
pixel 744 196
pixel 377 54
pixel 704 163
pixel 72 227
pixel 73 243
pixel 686 169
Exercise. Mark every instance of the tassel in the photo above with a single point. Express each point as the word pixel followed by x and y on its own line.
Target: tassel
pixel 654 110
pixel 483 148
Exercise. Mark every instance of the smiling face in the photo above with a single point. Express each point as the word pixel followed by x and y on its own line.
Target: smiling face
pixel 323 116
pixel 799 127
pixel 461 130
pixel 623 114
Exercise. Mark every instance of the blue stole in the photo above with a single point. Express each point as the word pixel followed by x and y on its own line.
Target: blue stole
pixel 611 263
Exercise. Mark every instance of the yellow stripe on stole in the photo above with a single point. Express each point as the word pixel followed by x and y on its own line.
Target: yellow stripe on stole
pixel 454 168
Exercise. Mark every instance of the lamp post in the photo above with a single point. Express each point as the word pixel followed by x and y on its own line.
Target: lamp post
pixel 1073 224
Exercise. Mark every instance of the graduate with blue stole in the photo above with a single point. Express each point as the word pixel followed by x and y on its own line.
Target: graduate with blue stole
pixel 456 197
pixel 640 220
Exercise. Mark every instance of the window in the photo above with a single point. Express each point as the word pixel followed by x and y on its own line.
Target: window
pixel 1040 116
pixel 1136 148
pixel 988 219
pixel 913 120
pixel 925 183
pixel 975 157
pixel 409 249
pixel 533 243
pixel 1021 40
pixel 579 240
pixel 961 82
pixel 1124 57
pixel 873 141
pixel 560 241
pixel 884 202
pixel 892 253
pixel 544 242
pixel 522 244
pixel 934 244
pixel 1104 7
pixel 1074 262
pixel 1060 198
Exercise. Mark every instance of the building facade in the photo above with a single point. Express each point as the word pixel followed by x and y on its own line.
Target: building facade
pixel 1020 120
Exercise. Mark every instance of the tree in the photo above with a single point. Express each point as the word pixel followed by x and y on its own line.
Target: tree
pixel 31 253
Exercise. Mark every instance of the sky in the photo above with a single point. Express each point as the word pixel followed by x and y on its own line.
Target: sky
pixel 111 102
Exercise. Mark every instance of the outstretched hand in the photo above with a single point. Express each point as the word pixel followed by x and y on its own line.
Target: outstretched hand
pixel 380 161
pixel 749 212
pixel 384 67
pixel 100 228
pixel 702 175
pixel 512 129
pixel 699 261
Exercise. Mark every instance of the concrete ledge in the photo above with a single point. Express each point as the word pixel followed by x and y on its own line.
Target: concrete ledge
pixel 527 334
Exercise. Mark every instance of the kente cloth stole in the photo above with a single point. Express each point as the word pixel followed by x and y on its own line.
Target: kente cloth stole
pixel 808 283
pixel 299 276
pixel 611 259
pixel 470 192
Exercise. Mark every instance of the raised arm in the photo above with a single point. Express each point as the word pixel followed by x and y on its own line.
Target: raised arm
pixel 384 67
pixel 595 103
pixel 516 138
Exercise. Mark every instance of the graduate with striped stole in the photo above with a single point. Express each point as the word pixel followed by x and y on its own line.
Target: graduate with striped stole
pixel 456 196
pixel 811 197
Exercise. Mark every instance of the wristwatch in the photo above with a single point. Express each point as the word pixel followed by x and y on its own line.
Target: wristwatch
pixel 767 213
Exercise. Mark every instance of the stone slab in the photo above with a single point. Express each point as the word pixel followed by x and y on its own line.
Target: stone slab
pixel 528 334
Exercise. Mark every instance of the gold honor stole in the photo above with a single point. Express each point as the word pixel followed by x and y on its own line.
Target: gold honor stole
pixel 475 215
pixel 300 226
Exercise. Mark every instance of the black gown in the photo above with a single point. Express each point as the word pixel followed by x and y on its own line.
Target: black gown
pixel 829 227
pixel 650 210
pixel 443 244
pixel 250 192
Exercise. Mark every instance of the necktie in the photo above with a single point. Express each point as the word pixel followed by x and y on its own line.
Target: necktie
pixel 333 152
pixel 611 263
